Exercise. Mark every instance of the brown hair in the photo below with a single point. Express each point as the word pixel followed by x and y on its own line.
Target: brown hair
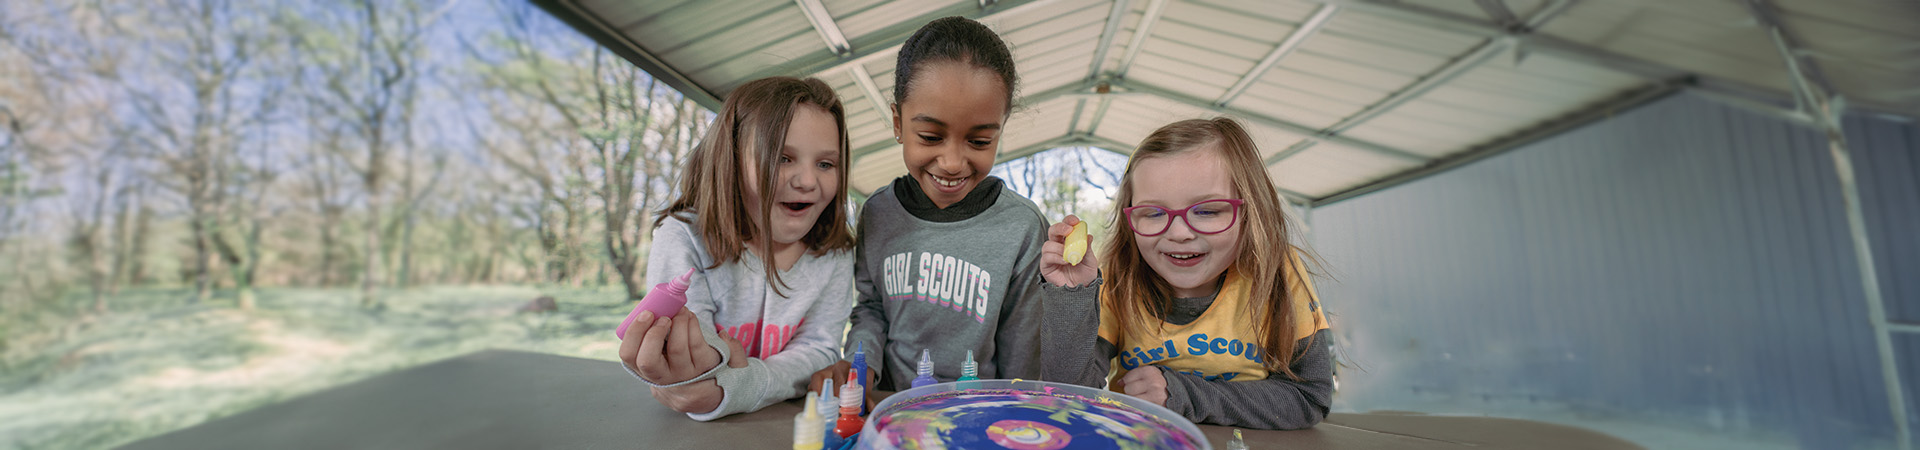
pixel 1138 296
pixel 753 124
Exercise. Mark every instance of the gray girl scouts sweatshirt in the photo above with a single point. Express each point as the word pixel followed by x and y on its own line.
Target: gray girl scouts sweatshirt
pixel 949 280
pixel 787 338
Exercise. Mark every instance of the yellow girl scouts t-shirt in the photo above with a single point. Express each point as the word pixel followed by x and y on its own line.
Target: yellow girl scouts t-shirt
pixel 1221 343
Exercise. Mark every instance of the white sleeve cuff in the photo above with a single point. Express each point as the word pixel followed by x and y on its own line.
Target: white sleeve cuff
pixel 713 340
pixel 741 390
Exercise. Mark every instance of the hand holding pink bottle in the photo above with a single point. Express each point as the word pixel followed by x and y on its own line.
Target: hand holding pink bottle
pixel 664 300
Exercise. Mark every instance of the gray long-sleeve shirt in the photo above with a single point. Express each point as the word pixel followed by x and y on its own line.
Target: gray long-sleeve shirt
pixel 1276 402
pixel 787 336
pixel 949 280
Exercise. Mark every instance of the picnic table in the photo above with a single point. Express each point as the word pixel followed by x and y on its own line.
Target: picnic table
pixel 513 399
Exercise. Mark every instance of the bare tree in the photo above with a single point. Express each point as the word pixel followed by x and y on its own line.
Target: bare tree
pixel 367 57
pixel 197 114
pixel 88 207
pixel 625 143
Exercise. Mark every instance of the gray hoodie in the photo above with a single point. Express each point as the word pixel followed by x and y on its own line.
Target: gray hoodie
pixel 787 338
pixel 949 280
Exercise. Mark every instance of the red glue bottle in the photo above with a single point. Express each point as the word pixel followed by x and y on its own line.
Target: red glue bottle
pixel 851 399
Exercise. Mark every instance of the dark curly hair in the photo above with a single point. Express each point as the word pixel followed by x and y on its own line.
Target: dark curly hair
pixel 953 39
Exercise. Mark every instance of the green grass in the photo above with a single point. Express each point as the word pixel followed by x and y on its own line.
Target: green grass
pixel 157 363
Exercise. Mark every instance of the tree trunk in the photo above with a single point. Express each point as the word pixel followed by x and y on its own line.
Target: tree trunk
pixel 202 263
pixel 370 275
pixel 123 238
pixel 405 273
pixel 327 243
pixel 244 275
pixel 137 251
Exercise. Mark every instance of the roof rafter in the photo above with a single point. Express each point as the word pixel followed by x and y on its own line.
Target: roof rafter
pixel 1312 25
pixel 1480 54
pixel 823 23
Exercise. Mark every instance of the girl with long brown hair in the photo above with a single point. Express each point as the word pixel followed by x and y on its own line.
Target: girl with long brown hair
pixel 761 220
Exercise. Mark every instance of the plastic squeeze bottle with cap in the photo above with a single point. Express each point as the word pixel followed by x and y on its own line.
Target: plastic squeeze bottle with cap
pixel 807 426
pixel 971 370
pixel 828 402
pixel 860 367
pixel 664 300
pixel 925 370
pixel 851 398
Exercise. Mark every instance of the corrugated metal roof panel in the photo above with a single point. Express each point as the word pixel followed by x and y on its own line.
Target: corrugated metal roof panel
pixel 1155 69
pixel 875 170
pixel 1364 55
pixel 1202 43
pixel 1285 83
pixel 1289 12
pixel 863 17
pixel 1043 14
pixel 1326 169
pixel 1300 109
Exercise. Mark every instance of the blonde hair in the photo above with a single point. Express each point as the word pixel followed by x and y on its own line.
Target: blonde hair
pixel 1138 296
pixel 753 123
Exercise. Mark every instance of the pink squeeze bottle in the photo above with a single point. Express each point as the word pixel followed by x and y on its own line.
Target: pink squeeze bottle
pixel 664 300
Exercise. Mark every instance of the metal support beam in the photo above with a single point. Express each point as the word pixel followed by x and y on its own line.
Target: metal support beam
pixel 1140 34
pixel 1100 113
pixel 1084 87
pixel 869 149
pixel 1480 54
pixel 1068 140
pixel 1114 16
pixel 1074 123
pixel 1293 196
pixel 613 39
pixel 1498 11
pixel 886 41
pixel 1604 110
pixel 1262 119
pixel 1306 219
pixel 1074 88
pixel 1585 54
pixel 1108 144
pixel 1903 327
pixel 1817 98
pixel 860 76
pixel 1034 148
pixel 1312 25
pixel 823 23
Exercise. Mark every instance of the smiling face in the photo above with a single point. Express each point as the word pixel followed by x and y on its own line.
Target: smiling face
pixel 805 178
pixel 1191 262
pixel 950 128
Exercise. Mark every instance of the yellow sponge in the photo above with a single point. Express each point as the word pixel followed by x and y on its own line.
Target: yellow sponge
pixel 1076 244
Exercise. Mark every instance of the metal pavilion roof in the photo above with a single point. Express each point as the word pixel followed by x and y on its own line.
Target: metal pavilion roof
pixel 1345 97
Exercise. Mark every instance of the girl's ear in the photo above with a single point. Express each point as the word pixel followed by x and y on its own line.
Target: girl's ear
pixel 896 122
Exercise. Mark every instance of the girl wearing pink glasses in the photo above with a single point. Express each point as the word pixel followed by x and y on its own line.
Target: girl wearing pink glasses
pixel 1201 300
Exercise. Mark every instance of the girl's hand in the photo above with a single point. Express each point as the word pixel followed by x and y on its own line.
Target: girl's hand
pixel 670 350
pixel 705 395
pixel 1147 383
pixel 1054 267
pixel 700 397
pixel 836 371
pixel 736 353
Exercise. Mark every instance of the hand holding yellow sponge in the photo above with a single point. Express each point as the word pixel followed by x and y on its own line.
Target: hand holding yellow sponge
pixel 1076 245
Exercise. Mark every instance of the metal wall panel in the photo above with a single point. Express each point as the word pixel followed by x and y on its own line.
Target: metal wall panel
pixel 1685 264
